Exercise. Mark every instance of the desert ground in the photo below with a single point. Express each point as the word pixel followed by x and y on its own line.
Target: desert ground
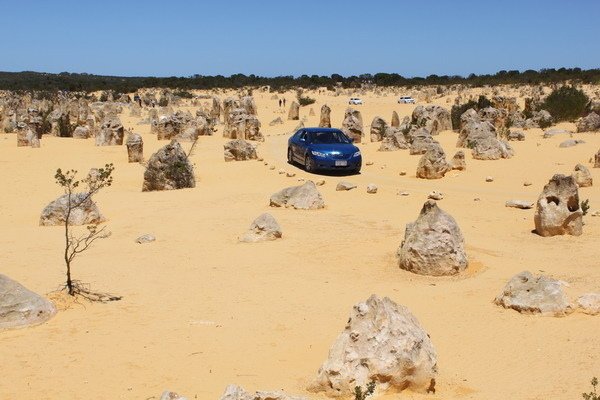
pixel 201 310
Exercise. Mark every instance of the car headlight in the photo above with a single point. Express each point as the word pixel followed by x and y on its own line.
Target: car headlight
pixel 318 154
pixel 356 154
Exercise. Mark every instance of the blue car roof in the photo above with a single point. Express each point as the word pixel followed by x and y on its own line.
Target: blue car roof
pixel 316 129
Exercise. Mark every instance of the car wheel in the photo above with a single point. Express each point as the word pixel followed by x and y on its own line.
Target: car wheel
pixel 290 156
pixel 309 164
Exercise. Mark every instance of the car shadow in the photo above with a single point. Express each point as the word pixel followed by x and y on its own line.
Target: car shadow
pixel 325 172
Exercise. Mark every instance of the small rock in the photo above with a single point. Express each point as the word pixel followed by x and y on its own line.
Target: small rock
pixel 272 167
pixel 527 183
pixel 589 303
pixel 571 143
pixel 344 185
pixel 145 239
pixel 369 163
pixel 403 193
pixel 320 182
pixel 435 195
pixel 489 179
pixel 281 172
pixel 167 395
pixel 522 204
pixel 372 188
pixel 402 173
pixel 264 228
pixel 290 174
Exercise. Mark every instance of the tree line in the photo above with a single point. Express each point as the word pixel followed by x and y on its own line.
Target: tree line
pixel 81 82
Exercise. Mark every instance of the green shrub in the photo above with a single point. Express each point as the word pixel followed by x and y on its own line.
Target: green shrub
pixel 458 110
pixel 360 394
pixel 184 94
pixel 566 103
pixel 585 206
pixel 483 102
pixel 163 102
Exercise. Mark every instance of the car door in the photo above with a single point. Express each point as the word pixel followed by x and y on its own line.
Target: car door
pixel 298 145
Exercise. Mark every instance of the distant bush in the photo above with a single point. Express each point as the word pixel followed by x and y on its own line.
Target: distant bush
pixel 585 206
pixel 163 102
pixel 304 100
pixel 592 395
pixel 184 94
pixel 104 96
pixel 483 102
pixel 566 103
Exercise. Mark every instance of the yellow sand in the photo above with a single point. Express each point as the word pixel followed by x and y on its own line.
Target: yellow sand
pixel 201 311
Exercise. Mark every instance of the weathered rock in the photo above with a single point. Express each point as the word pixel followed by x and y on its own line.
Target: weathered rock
pixel 378 128
pixel 433 118
pixel 135 148
pixel 420 141
pixel 393 140
pixel 384 342
pixel 263 228
pixel 83 211
pixel 304 197
pixel 239 150
pixel 169 169
pixel 371 188
pixel 558 211
pixel 27 136
pixel 395 120
pixel 597 159
pixel 531 294
pixel 325 118
pixel 522 204
pixel 474 131
pixel 248 104
pixel 81 132
pixel 433 244
pixel 435 195
pixel 516 136
pixel 147 238
pixel 590 123
pixel 168 395
pixel 240 125
pixel 234 392
pixel 352 125
pixel 589 303
pixel 433 164
pixel 458 161
pixel 111 133
pixel 294 113
pixel 555 131
pixel 492 149
pixel 582 176
pixel 345 185
pixel 20 307
pixel 276 121
pixel 570 143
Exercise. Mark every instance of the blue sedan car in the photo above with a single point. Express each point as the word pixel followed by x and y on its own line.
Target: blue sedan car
pixel 324 149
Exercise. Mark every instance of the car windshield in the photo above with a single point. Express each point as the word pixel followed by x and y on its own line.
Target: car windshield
pixel 327 137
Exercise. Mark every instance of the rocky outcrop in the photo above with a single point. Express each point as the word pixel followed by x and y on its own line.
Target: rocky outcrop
pixel 433 164
pixel 557 209
pixel 135 148
pixel 589 303
pixel 582 176
pixel 532 294
pixel 111 133
pixel 590 123
pixel 304 197
pixel 20 307
pixel 393 140
pixel 27 137
pixel 382 342
pixel 240 125
pixel 248 104
pixel 81 132
pixel 345 186
pixel 491 148
pixel 169 169
pixel 264 228
pixel 239 150
pixel 395 120
pixel 83 211
pixel 378 129
pixel 433 244
pixel 352 125
pixel 325 118
pixel 420 140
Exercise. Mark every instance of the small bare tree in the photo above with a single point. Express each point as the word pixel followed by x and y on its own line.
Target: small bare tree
pixel 77 244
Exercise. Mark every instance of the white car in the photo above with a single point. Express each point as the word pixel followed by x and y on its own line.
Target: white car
pixel 406 100
pixel 355 101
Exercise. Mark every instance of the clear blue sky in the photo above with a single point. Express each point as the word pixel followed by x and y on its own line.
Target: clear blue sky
pixel 269 38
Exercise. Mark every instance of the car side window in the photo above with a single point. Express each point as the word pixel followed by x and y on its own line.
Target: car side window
pixel 302 136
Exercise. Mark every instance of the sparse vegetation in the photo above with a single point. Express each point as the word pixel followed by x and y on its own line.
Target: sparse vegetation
pixel 360 394
pixel 458 110
pixel 585 206
pixel 566 103
pixel 304 100
pixel 77 244
pixel 592 395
